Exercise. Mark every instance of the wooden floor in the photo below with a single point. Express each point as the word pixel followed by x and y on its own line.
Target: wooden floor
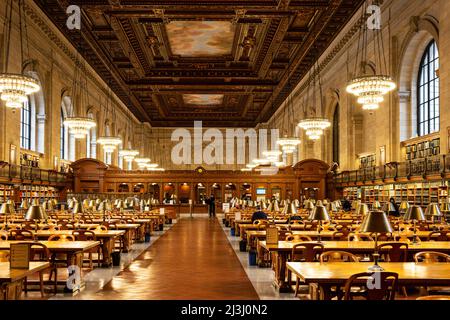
pixel 193 260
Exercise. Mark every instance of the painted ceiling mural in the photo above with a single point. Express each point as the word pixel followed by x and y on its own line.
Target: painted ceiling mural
pixel 200 38
pixel 203 99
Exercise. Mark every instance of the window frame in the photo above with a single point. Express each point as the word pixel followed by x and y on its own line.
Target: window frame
pixel 427 124
pixel 25 126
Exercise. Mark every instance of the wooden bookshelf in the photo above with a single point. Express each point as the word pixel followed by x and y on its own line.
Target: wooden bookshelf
pixel 423 149
pixel 31 192
pixel 418 193
pixel 6 192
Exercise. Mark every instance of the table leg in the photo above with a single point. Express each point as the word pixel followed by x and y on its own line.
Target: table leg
pixel 280 273
pixel 107 247
pixel 126 240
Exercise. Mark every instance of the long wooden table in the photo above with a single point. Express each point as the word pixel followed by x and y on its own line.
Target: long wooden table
pixel 106 238
pixel 72 249
pixel 284 248
pixel 11 280
pixel 331 274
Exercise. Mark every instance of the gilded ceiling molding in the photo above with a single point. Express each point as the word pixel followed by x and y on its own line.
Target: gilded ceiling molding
pixel 42 25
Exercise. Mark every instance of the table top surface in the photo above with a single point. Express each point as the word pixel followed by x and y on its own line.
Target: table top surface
pixel 63 246
pixel 357 245
pixel 326 233
pixel 10 275
pixel 316 271
pixel 98 233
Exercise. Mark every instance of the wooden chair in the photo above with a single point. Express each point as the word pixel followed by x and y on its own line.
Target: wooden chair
pixel 3 235
pixel 384 236
pixel 61 237
pixel 338 256
pixel 376 285
pixel 99 227
pixel 297 238
pixel 21 235
pixel 439 236
pixel 396 251
pixel 359 237
pixel 87 235
pixel 338 236
pixel 4 256
pixel 433 257
pixel 305 252
pixel 40 252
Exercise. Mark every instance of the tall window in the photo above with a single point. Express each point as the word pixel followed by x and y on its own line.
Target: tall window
pixel 63 137
pixel 336 135
pixel 428 91
pixel 91 141
pixel 25 126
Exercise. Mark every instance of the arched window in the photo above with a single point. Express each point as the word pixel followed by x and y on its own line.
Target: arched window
pixel 428 92
pixel 25 126
pixel 108 155
pixel 63 137
pixel 91 140
pixel 336 134
pixel 67 140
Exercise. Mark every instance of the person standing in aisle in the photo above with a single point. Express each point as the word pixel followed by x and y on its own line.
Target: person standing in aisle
pixel 212 206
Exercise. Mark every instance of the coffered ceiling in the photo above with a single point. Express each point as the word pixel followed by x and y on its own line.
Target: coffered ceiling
pixel 229 63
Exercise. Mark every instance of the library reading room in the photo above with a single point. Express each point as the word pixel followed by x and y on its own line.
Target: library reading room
pixel 225 150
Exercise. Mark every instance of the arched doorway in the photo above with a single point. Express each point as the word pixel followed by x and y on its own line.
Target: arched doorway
pixel 184 192
pixel 123 187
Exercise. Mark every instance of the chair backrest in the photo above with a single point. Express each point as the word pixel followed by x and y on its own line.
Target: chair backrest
pixel 4 256
pixel 378 285
pixel 431 257
pixel 61 237
pixel 383 236
pixel 439 236
pixel 21 235
pixel 339 235
pixel 84 235
pixel 359 237
pixel 38 251
pixel 3 235
pixel 397 251
pixel 99 227
pixel 338 256
pixel 297 237
pixel 306 251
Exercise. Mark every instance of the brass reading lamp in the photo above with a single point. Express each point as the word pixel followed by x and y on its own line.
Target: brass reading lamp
pixel 389 207
pixel 36 213
pixel 320 214
pixel 434 212
pixel 414 214
pixel 362 209
pixel 7 210
pixel 404 206
pixel 77 209
pixel 121 205
pixel 376 205
pixel 290 210
pixel 309 206
pixel 102 209
pixel 376 222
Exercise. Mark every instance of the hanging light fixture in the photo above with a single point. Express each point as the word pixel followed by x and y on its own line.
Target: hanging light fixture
pixel 79 126
pixel 110 143
pixel 272 155
pixel 128 154
pixel 15 88
pixel 288 144
pixel 314 126
pixel 251 166
pixel 370 89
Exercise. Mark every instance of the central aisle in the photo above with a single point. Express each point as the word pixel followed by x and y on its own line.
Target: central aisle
pixel 193 260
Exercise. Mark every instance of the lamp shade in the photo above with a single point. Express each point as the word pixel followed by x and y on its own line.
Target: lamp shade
pixel 403 206
pixel 414 213
pixel 376 205
pixel 319 203
pixel 78 208
pixel 263 205
pixel 25 204
pixel 331 206
pixel 445 206
pixel 388 207
pixel 433 210
pixel 319 213
pixel 355 204
pixel 121 204
pixel 35 213
pixel 92 204
pixel 5 208
pixel 309 205
pixel 86 203
pixel 376 221
pixel 362 209
pixel 102 206
pixel 98 201
pixel 289 209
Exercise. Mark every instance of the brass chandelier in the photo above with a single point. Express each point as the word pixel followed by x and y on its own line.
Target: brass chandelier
pixel 16 87
pixel 110 143
pixel 314 126
pixel 370 89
